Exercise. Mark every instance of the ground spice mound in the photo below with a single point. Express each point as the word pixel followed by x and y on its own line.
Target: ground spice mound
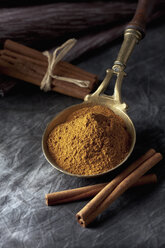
pixel 91 141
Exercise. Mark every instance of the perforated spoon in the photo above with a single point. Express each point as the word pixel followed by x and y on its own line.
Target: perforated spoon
pixel 134 32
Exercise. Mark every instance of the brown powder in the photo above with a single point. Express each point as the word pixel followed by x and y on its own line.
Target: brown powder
pixel 91 141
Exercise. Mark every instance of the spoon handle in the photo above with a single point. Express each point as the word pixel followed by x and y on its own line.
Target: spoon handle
pixel 143 11
pixel 134 32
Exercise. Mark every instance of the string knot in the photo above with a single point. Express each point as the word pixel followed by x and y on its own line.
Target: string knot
pixel 53 59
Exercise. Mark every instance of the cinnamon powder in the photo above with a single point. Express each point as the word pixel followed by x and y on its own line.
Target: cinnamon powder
pixel 91 141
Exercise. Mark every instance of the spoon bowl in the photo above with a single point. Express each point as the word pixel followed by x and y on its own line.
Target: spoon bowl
pixel 90 101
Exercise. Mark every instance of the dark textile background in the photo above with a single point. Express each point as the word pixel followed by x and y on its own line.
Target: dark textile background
pixel 136 219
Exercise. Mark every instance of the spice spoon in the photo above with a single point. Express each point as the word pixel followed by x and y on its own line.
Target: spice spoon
pixel 134 32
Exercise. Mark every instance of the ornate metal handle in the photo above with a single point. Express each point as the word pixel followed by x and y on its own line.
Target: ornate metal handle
pixel 134 32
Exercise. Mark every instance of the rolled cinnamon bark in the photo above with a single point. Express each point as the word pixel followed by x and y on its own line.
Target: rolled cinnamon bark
pixel 118 179
pixel 146 179
pixel 89 191
pixel 30 65
pixel 20 57
pixel 24 50
pixel 116 187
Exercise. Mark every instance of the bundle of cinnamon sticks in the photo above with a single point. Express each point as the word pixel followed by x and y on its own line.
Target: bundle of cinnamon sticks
pixel 30 65
pixel 105 193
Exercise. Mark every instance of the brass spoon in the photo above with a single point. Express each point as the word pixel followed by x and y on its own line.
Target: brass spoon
pixel 134 32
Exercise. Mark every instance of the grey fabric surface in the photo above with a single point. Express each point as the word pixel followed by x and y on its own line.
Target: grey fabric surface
pixel 136 219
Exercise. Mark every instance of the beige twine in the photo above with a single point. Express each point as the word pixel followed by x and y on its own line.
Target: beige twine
pixel 53 59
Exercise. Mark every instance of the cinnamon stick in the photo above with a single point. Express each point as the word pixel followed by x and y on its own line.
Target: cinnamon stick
pixel 117 187
pixel 62 67
pixel 27 66
pixel 57 85
pixel 30 65
pixel 20 57
pixel 24 50
pixel 118 179
pixel 19 53
pixel 60 86
pixel 89 191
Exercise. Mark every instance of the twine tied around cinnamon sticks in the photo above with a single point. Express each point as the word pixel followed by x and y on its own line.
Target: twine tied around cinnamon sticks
pixel 53 59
